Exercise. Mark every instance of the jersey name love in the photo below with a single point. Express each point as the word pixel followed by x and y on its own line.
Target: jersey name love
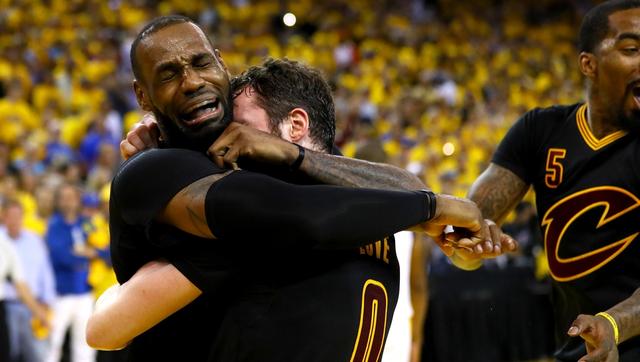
pixel 378 250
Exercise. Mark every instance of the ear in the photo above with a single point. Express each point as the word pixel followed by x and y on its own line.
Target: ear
pixel 299 125
pixel 588 64
pixel 141 96
pixel 220 60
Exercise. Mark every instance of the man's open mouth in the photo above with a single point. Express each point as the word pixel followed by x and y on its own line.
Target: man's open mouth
pixel 201 112
pixel 636 90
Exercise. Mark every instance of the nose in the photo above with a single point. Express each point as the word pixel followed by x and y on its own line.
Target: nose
pixel 192 81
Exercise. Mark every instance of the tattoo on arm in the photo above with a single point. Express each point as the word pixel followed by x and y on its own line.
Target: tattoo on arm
pixel 196 197
pixel 349 172
pixel 496 191
pixel 186 210
pixel 627 315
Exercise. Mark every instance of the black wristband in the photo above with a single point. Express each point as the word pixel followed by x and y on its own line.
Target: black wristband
pixel 296 164
pixel 431 204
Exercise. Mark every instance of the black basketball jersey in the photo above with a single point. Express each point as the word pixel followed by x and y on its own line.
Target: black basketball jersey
pixel 318 306
pixel 277 305
pixel 587 196
pixel 138 194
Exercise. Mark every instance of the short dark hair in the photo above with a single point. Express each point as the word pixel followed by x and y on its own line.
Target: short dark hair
pixel 595 24
pixel 281 85
pixel 152 27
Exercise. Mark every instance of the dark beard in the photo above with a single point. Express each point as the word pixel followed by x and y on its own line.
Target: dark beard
pixel 198 140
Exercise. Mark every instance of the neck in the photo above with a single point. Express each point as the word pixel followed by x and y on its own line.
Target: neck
pixel 600 119
pixel 307 143
pixel 178 141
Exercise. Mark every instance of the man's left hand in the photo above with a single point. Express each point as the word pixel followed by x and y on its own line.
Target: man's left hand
pixel 143 135
pixel 598 337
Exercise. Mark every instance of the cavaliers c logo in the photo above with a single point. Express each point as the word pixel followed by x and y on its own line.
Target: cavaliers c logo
pixel 559 217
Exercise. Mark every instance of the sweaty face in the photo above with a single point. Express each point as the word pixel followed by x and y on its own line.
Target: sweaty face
pixel 618 72
pixel 247 111
pixel 185 85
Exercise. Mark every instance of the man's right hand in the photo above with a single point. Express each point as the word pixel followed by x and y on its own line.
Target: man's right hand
pixel 473 238
pixel 464 216
pixel 143 135
pixel 240 140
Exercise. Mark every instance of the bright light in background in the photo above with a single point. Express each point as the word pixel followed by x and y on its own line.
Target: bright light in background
pixel 289 19
pixel 448 149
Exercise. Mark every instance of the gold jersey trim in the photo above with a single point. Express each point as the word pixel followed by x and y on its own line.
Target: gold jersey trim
pixel 589 138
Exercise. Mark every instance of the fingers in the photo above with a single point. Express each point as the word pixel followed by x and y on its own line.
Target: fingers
pixel 149 121
pixel 445 246
pixel 600 346
pixel 218 150
pixel 127 149
pixel 496 238
pixel 143 135
pixel 597 355
pixel 231 157
pixel 461 240
pixel 146 137
pixel 508 243
pixel 492 246
pixel 580 325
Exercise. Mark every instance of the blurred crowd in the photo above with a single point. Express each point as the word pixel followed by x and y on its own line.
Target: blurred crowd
pixel 427 85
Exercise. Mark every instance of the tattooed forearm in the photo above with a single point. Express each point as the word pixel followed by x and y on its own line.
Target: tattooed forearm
pixel 343 171
pixel 497 191
pixel 194 198
pixel 627 315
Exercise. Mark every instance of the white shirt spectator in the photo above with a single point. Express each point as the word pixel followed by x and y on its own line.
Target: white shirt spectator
pixel 10 267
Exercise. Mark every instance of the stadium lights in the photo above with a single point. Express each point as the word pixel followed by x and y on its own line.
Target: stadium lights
pixel 289 19
pixel 448 149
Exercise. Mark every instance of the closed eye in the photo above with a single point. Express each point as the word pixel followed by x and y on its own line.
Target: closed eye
pixel 202 61
pixel 167 75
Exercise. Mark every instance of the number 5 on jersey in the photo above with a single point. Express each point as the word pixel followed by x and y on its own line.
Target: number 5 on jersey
pixel 555 171
pixel 373 323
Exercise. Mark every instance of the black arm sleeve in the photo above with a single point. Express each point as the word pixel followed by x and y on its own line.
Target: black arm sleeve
pixel 254 207
pixel 148 181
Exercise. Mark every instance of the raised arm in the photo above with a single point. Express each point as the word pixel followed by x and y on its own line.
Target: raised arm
pixel 238 141
pixel 351 172
pixel 173 185
pixel 125 311
pixel 319 216
pixel 243 141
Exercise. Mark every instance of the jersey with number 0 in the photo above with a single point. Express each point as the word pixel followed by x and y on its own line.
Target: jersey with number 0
pixel 588 198
pixel 315 306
